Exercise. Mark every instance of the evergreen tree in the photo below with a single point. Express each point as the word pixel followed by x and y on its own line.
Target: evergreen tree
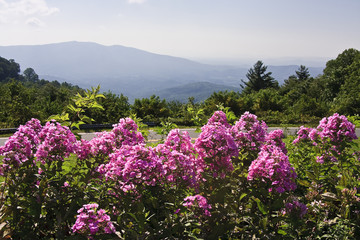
pixel 302 73
pixel 258 79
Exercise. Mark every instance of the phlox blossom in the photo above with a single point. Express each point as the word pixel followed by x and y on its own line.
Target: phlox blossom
pixel 328 136
pixel 219 117
pixel 249 133
pixel 295 208
pixel 273 165
pixel 198 203
pixel 123 133
pixel 302 135
pixel 179 141
pixel 215 147
pixel 132 166
pixel 57 142
pixel 275 138
pixel 337 128
pixel 21 146
pixel 91 221
pixel 178 157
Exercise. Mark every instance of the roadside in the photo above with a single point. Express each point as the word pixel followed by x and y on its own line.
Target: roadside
pixel 154 137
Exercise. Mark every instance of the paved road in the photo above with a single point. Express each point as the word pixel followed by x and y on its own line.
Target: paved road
pixel 153 136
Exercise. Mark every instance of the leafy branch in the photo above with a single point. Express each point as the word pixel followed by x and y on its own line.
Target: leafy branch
pixel 74 114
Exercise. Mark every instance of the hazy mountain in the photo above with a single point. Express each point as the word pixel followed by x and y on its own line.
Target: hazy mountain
pixel 199 90
pixel 133 72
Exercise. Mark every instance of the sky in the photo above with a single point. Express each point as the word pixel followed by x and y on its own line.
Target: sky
pixel 228 31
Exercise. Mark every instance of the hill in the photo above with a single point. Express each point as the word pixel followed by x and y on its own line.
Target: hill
pixel 133 72
pixel 199 90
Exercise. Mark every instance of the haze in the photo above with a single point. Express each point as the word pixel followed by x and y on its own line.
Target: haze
pixel 228 31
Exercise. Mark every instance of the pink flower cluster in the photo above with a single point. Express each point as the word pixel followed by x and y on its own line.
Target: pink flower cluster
pixel 335 130
pixel 272 165
pixel 249 133
pixel 178 161
pixel 303 135
pixel 105 143
pixel 295 209
pixel 198 203
pixel 132 166
pixel 56 143
pixel 178 141
pixel 219 117
pixel 177 155
pixel 91 221
pixel 48 143
pixel 275 138
pixel 21 146
pixel 216 146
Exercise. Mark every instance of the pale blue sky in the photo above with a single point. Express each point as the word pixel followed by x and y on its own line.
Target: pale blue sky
pixel 196 29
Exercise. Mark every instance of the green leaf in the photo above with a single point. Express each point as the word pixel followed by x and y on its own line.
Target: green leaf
pixel 282 232
pixel 242 196
pixel 304 183
pixel 134 217
pixel 263 209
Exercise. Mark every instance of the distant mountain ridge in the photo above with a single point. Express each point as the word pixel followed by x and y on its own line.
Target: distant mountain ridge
pixel 133 72
pixel 198 90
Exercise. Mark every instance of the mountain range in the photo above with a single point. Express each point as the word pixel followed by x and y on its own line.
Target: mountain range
pixel 133 72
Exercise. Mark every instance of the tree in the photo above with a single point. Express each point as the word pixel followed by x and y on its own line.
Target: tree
pixel 337 71
pixel 348 99
pixel 30 75
pixel 258 79
pixel 302 73
pixel 115 107
pixel 150 109
pixel 8 69
pixel 226 99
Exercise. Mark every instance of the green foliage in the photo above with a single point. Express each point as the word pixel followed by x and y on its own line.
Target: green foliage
pixel 329 189
pixel 258 79
pixel 197 117
pixel 9 69
pixel 301 99
pixel 302 73
pixel 74 115
pixel 30 75
pixel 338 70
pixel 166 126
pixel 355 120
pixel 150 109
pixel 143 128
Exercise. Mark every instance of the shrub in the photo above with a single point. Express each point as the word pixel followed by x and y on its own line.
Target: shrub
pixel 233 182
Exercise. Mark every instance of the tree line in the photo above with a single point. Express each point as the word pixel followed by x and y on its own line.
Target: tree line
pixel 301 99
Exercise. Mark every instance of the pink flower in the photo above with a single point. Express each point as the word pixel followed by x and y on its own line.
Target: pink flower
pixel 105 143
pixel 302 135
pixel 91 221
pixel 337 128
pixel 57 142
pixel 178 157
pixel 275 138
pixel 219 117
pixel 215 147
pixel 249 133
pixel 295 209
pixel 132 166
pixel 198 203
pixel 20 147
pixel 273 165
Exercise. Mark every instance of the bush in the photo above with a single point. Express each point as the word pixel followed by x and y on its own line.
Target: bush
pixel 233 182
